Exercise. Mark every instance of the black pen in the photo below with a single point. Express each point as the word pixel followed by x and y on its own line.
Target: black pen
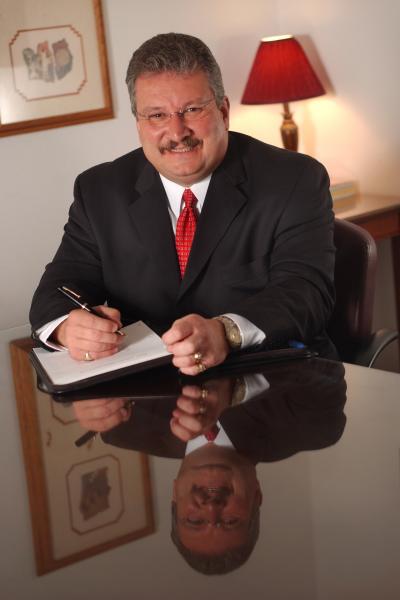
pixel 79 301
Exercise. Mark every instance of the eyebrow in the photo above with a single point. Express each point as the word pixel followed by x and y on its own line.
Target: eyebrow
pixel 163 109
pixel 212 466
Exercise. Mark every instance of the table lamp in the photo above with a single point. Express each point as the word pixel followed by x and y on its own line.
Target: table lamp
pixel 281 72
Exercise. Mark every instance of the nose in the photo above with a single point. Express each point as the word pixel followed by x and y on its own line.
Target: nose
pixel 205 497
pixel 177 127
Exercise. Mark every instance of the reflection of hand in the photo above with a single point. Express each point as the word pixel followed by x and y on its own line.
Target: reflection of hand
pixel 193 335
pixel 102 414
pixel 198 408
pixel 83 332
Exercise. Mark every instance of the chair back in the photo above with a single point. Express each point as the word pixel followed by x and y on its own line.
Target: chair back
pixel 355 277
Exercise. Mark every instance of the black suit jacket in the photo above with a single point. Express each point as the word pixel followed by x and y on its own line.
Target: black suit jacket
pixel 263 246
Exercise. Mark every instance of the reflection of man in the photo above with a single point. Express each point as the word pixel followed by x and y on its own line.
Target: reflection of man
pixel 216 496
pixel 196 224
pixel 216 508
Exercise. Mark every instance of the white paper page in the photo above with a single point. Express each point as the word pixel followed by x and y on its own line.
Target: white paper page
pixel 140 345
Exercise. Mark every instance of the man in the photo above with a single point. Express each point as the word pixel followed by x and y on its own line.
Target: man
pixel 198 223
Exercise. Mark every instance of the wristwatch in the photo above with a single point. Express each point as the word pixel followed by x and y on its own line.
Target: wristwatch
pixel 232 332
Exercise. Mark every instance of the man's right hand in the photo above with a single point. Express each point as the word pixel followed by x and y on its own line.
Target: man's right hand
pixel 83 332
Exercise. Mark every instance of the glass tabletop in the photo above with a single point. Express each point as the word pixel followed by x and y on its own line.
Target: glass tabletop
pixel 279 481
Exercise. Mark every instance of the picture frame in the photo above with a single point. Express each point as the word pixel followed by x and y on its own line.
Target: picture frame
pixel 54 65
pixel 85 500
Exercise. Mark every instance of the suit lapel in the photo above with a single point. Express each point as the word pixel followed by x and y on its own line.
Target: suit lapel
pixel 149 213
pixel 223 202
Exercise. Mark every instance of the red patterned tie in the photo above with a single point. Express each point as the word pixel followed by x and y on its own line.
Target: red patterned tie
pixel 185 229
pixel 212 434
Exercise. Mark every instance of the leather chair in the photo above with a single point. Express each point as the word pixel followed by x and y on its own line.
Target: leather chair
pixel 350 327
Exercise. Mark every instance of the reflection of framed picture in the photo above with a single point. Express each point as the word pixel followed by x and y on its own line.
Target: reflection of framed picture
pixel 83 500
pixel 53 65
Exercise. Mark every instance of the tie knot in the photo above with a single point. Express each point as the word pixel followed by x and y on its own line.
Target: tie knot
pixel 212 433
pixel 189 198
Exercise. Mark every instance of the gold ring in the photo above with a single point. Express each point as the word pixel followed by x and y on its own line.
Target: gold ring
pixel 201 367
pixel 204 393
pixel 197 357
pixel 88 356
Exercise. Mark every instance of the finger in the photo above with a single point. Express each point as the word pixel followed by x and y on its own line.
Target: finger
pixel 187 347
pixel 184 361
pixel 96 334
pixel 104 424
pixel 180 330
pixel 97 408
pixel 180 432
pixel 90 355
pixel 111 313
pixel 96 341
pixel 82 318
pixel 189 422
pixel 194 370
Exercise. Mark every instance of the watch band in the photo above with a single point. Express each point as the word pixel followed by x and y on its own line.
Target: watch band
pixel 232 332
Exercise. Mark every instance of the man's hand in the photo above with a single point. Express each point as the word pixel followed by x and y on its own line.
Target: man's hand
pixel 102 414
pixel 199 408
pixel 196 343
pixel 83 332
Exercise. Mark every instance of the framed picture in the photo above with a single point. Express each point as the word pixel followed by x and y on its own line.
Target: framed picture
pixel 82 500
pixel 53 65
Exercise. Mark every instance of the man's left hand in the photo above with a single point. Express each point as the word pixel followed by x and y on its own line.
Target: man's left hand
pixel 196 343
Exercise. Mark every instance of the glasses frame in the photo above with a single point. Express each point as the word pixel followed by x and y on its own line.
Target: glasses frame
pixel 182 114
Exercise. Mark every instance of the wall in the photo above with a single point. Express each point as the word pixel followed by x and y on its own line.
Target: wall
pixel 359 48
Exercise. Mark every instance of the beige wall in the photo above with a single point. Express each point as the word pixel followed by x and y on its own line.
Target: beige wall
pixel 358 45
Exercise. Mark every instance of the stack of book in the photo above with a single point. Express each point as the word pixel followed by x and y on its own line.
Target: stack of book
pixel 341 189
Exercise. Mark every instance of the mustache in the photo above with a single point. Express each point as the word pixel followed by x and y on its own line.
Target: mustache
pixel 187 142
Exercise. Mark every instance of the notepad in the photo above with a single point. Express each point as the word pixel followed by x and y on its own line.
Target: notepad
pixel 141 349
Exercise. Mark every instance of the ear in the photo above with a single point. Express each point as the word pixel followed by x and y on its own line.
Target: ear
pixel 174 491
pixel 224 108
pixel 258 495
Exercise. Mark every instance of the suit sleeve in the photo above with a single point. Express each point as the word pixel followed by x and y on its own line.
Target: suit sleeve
pixel 76 264
pixel 297 300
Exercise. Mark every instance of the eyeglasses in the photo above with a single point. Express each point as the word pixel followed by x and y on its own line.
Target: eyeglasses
pixel 188 115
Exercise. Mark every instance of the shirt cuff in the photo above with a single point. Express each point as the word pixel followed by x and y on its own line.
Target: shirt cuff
pixel 45 332
pixel 251 335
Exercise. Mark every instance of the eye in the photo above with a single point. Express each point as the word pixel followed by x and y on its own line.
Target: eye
pixel 230 523
pixel 193 110
pixel 157 116
pixel 192 522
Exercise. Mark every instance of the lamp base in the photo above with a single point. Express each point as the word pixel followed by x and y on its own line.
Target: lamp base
pixel 289 130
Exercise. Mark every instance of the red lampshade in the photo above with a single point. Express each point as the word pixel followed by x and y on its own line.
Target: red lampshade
pixel 281 73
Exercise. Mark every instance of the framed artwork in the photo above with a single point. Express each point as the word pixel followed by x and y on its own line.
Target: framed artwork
pixel 82 500
pixel 53 65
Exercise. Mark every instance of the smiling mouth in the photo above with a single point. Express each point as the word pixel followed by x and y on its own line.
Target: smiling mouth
pixel 186 145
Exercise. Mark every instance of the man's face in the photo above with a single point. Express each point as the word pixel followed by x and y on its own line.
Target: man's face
pixel 182 151
pixel 215 493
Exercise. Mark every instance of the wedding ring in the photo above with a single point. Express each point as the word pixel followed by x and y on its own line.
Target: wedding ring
pixel 204 393
pixel 197 357
pixel 201 367
pixel 88 356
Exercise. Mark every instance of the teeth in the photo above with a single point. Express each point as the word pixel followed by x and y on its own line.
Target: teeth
pixel 180 149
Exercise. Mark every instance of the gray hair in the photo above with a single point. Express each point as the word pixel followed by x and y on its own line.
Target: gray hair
pixel 178 53
pixel 227 561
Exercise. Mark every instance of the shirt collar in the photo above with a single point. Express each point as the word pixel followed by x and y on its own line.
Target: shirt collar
pixel 174 193
pixel 222 439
